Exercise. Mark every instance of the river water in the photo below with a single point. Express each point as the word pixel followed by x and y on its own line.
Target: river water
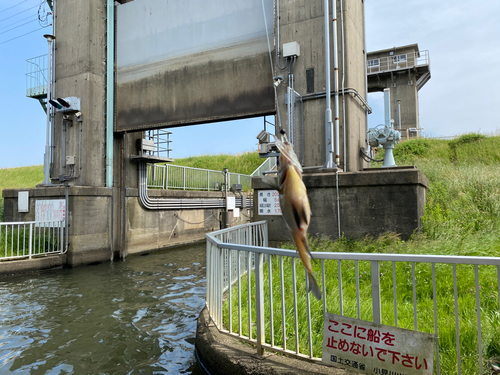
pixel 136 316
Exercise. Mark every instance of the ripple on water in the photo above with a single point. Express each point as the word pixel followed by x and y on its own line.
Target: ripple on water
pixel 136 316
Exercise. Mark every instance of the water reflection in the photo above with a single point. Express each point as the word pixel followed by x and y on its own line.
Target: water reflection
pixel 131 317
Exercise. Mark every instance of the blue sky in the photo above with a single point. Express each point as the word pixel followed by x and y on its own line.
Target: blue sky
pixel 462 37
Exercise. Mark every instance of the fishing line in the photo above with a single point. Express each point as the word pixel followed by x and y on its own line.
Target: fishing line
pixel 272 65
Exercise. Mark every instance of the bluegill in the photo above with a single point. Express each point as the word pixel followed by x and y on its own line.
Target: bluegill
pixel 295 207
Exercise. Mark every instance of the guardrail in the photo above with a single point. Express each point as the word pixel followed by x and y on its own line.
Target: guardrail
pixel 268 165
pixel 36 81
pixel 456 298
pixel 187 178
pixel 396 62
pixel 26 239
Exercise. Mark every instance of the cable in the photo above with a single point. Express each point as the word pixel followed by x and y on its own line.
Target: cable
pixel 272 66
pixel 18 13
pixel 3 32
pixel 367 158
pixel 23 34
pixel 189 222
pixel 21 20
pixel 13 6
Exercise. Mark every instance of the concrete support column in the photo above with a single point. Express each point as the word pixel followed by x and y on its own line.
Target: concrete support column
pixel 80 72
pixel 302 21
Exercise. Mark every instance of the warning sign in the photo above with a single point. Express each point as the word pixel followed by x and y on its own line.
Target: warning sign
pixel 269 202
pixel 372 348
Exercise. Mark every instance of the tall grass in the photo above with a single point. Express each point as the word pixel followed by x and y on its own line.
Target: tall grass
pixel 19 178
pixel 462 217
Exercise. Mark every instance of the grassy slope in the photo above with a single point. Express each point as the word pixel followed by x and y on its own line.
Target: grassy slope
pixel 462 217
pixel 19 178
pixel 29 177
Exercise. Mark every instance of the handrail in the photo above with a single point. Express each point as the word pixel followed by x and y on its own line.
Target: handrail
pixel 393 63
pixel 26 239
pixel 237 255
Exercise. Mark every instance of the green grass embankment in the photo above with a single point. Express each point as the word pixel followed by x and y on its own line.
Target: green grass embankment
pixel 19 178
pixel 29 177
pixel 462 217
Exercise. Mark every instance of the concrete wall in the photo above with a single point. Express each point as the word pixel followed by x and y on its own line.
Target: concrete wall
pixel 90 221
pixel 302 21
pixel 80 71
pixel 371 203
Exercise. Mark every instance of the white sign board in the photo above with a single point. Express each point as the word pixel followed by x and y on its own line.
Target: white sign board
pixel 269 202
pixel 230 203
pixel 372 348
pixel 236 212
pixel 50 210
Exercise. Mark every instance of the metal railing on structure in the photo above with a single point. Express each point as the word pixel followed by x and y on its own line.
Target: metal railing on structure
pixel 36 80
pixel 27 239
pixel 186 178
pixel 268 165
pixel 396 62
pixel 418 292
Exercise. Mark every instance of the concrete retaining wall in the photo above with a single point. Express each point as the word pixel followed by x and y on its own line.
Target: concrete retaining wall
pixel 371 202
pixel 89 215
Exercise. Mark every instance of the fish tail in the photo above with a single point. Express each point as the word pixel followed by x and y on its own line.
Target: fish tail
pixel 312 286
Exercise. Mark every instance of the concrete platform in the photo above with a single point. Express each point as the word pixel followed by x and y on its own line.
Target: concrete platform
pixel 26 266
pixel 221 354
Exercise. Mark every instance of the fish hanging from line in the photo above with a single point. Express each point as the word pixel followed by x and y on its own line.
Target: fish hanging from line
pixel 295 206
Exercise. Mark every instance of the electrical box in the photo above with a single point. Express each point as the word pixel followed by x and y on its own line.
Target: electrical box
pixel 70 160
pixel 23 201
pixel 291 49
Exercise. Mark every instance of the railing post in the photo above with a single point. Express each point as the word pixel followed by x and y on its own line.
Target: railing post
pixel 259 302
pixel 30 247
pixel 377 315
pixel 184 178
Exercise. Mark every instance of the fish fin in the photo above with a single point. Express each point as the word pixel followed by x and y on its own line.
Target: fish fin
pixel 312 286
pixel 308 250
pixel 300 217
pixel 296 216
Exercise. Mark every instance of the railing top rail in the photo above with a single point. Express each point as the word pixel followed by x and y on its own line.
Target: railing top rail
pixel 260 166
pixel 193 168
pixel 448 259
pixel 36 57
pixel 226 230
pixel 30 222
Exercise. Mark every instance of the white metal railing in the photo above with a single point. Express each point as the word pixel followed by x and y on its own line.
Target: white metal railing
pixel 417 284
pixel 268 165
pixel 187 178
pixel 396 62
pixel 36 80
pixel 26 239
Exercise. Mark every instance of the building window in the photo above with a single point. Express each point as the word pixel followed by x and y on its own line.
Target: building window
pixel 373 63
pixel 399 59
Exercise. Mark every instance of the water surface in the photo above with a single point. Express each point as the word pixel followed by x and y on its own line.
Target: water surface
pixel 136 316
